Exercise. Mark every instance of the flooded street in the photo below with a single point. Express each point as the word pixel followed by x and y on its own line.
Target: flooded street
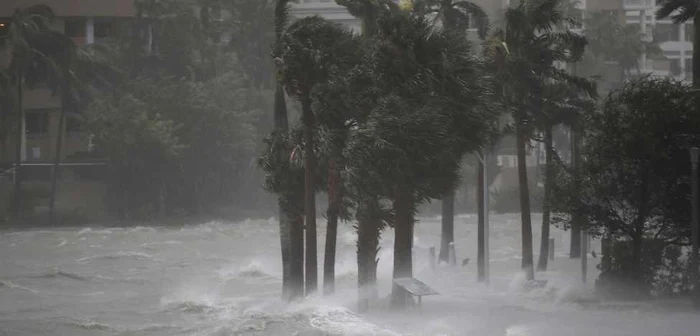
pixel 220 278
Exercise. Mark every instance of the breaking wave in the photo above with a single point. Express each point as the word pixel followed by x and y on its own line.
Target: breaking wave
pixel 118 255
pixel 9 284
pixel 90 325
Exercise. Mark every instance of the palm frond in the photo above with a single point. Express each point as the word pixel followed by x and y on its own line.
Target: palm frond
pixel 685 9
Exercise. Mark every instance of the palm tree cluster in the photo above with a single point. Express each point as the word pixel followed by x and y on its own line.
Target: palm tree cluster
pixel 388 115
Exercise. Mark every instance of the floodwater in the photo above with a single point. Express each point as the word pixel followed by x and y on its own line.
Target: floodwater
pixel 223 278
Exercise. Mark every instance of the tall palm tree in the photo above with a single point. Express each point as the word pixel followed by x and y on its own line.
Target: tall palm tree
pixel 457 16
pixel 523 57
pixel 28 27
pixel 372 217
pixel 562 103
pixel 63 53
pixel 6 106
pixel 426 116
pixel 681 11
pixel 311 49
pixel 289 202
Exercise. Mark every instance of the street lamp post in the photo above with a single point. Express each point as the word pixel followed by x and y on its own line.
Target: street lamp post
pixel 695 226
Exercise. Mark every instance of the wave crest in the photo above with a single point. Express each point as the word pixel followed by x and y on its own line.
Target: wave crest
pixel 118 255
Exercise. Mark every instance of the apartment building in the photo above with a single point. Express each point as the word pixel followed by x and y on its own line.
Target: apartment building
pixel 86 22
pixel 675 40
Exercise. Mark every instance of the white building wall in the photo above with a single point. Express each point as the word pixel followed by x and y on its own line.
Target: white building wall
pixel 676 45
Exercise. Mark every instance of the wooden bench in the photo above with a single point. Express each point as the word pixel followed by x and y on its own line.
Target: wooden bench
pixel 415 288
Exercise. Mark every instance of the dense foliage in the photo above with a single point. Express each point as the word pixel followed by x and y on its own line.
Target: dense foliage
pixel 635 180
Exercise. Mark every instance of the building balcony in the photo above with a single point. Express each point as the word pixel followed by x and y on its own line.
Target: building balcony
pixel 329 10
pixel 40 98
pixel 74 8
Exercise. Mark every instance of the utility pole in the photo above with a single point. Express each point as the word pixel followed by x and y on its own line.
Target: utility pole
pixel 695 226
pixel 483 227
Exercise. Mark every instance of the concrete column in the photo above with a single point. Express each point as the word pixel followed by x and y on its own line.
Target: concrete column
pixel 89 30
pixel 53 132
pixel 23 144
pixel 681 37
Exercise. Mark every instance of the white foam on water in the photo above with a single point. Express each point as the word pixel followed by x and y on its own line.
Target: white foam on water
pixel 117 255
pixel 10 284
pixel 342 321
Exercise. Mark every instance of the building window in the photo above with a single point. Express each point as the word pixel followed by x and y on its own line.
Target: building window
pixel 104 27
pixel 689 68
pixel 73 125
pixel 666 32
pixel 37 122
pixel 75 27
pixel 4 31
pixel 675 67
pixel 689 32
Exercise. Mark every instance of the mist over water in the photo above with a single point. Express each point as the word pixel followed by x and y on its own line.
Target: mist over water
pixel 224 278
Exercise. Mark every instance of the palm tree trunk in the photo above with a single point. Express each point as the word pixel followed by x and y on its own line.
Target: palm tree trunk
pixel 527 261
pixel 448 225
pixel 403 243
pixel 368 234
pixel 17 194
pixel 696 50
pixel 310 197
pixel 481 225
pixel 546 207
pixel 57 160
pixel 295 220
pixel 281 125
pixel 334 202
pixel 575 246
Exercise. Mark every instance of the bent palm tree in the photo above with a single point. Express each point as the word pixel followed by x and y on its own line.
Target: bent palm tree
pixel 457 16
pixel 311 49
pixel 523 58
pixel 28 27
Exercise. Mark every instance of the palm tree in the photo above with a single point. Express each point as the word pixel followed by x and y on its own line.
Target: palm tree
pixel 408 147
pixel 311 49
pixel 371 216
pixel 6 102
pixel 523 58
pixel 682 11
pixel 28 27
pixel 563 103
pixel 291 222
pixel 63 53
pixel 455 15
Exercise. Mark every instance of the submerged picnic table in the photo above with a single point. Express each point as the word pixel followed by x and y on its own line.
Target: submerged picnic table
pixel 415 288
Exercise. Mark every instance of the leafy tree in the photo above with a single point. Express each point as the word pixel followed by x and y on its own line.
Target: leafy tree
pixel 635 179
pixel 613 41
pixel 523 56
